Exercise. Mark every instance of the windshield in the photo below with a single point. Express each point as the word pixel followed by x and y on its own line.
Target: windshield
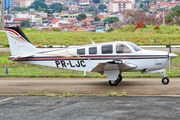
pixel 134 46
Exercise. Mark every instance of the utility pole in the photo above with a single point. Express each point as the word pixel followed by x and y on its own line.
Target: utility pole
pixel 2 14
pixel 163 17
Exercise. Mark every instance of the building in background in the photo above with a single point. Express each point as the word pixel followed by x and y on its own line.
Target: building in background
pixel 84 3
pixel 12 3
pixel 17 3
pixel 26 3
pixel 119 6
pixel 8 5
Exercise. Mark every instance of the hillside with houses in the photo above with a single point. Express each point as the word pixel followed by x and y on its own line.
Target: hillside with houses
pixel 68 16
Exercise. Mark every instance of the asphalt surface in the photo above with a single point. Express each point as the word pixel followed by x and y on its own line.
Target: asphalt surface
pixel 143 100
pixel 89 86
pixel 89 108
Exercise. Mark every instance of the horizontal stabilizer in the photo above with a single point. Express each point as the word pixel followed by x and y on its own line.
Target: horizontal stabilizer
pixel 20 56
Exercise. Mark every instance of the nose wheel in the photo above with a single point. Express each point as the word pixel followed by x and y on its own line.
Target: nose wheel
pixel 165 80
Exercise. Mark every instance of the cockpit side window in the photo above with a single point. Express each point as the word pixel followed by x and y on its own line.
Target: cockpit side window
pixel 121 48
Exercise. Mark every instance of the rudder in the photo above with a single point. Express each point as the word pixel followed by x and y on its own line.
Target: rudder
pixel 19 43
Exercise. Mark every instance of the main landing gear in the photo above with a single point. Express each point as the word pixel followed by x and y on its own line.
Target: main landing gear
pixel 165 80
pixel 117 81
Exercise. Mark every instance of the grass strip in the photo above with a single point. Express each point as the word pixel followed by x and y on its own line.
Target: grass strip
pixel 16 69
pixel 143 36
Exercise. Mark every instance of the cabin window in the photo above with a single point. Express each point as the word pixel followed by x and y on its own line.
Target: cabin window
pixel 107 49
pixel 81 51
pixel 121 48
pixel 93 50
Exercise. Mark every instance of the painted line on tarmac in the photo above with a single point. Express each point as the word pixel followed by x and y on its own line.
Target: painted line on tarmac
pixel 6 99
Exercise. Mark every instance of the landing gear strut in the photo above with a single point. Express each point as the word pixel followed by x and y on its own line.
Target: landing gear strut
pixel 117 81
pixel 165 80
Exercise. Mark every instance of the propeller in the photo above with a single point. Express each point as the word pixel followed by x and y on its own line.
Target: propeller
pixel 169 55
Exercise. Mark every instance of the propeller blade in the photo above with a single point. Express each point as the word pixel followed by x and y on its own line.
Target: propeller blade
pixel 169 64
pixel 170 54
pixel 169 45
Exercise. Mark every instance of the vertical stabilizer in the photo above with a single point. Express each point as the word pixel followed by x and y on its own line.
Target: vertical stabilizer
pixel 19 43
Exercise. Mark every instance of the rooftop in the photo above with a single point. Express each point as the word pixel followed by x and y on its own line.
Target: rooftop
pixel 121 2
pixel 20 19
pixel 54 21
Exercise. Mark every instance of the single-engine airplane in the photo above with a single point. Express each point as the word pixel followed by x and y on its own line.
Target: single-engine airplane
pixel 110 58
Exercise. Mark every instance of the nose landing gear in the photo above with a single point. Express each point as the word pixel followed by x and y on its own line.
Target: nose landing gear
pixel 165 80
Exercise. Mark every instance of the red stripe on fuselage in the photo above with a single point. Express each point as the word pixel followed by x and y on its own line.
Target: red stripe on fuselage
pixel 73 58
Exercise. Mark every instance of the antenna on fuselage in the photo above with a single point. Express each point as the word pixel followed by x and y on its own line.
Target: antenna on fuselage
pixel 91 41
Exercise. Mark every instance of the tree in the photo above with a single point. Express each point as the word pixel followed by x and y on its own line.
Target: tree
pixel 45 10
pixel 101 7
pixel 48 11
pixel 168 0
pixel 96 1
pixel 16 9
pixel 24 9
pixel 111 19
pixel 93 9
pixel 134 17
pixel 96 18
pixel 19 9
pixel 144 10
pixel 81 17
pixel 146 3
pixel 174 16
pixel 160 9
pixel 25 23
pixel 57 7
pixel 38 3
pixel 141 5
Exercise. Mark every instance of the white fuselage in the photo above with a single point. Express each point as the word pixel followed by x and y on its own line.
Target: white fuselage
pixel 68 58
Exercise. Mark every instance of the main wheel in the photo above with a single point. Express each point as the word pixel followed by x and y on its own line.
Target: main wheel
pixel 119 78
pixel 117 81
pixel 165 80
pixel 113 82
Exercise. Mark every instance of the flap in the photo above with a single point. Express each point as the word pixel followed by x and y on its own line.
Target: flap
pixel 101 67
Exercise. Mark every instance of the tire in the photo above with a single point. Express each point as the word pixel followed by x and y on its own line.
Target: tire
pixel 119 78
pixel 113 82
pixel 165 80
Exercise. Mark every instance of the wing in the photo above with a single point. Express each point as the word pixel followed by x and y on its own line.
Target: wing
pixel 114 65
